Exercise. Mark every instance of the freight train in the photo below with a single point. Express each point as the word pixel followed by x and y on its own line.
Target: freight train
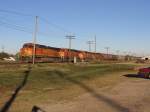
pixel 52 54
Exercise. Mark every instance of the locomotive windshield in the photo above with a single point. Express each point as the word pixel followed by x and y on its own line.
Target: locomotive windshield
pixel 28 45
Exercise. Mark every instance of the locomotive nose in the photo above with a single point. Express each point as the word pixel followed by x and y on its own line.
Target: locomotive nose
pixel 26 52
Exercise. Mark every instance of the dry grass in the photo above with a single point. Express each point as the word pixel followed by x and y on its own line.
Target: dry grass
pixel 50 83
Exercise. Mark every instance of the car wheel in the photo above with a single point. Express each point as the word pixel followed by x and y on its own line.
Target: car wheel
pixel 147 75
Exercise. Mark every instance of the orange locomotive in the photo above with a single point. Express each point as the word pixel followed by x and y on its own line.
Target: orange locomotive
pixel 51 54
pixel 42 53
pixel 48 54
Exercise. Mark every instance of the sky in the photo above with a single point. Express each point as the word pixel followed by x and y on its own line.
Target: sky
pixel 122 25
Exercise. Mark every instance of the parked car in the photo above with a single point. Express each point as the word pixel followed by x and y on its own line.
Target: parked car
pixel 144 72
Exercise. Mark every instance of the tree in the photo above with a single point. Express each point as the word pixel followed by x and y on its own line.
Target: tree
pixel 4 55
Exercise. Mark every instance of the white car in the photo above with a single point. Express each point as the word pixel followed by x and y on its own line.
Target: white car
pixel 9 59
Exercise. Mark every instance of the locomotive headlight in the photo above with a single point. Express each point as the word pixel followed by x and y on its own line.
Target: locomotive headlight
pixel 28 52
pixel 62 54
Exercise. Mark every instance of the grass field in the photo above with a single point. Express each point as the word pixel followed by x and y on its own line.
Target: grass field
pixel 52 83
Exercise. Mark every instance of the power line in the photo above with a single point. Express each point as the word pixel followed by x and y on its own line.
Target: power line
pixel 8 20
pixel 54 25
pixel 4 21
pixel 14 27
pixel 90 43
pixel 15 13
pixel 20 28
pixel 41 18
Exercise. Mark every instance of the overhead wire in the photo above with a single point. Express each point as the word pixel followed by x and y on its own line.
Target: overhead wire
pixel 15 27
pixel 41 18
pixel 16 13
pixel 20 28
pixel 54 25
pixel 5 22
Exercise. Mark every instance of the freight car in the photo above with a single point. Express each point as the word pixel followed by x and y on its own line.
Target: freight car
pixel 52 54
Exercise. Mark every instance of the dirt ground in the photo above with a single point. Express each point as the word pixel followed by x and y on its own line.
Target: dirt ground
pixel 130 95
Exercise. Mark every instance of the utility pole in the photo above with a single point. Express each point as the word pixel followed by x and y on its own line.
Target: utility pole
pixel 70 38
pixel 107 48
pixel 89 43
pixel 95 43
pixel 34 39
